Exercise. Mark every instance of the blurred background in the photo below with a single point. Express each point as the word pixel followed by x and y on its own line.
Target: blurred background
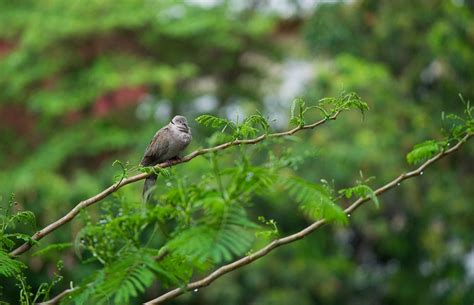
pixel 85 83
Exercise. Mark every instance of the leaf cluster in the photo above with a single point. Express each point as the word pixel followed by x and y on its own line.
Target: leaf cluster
pixel 10 267
pixel 458 127
pixel 121 280
pixel 327 106
pixel 315 200
pixel 194 223
pixel 362 191
pixel 190 226
pixel 249 127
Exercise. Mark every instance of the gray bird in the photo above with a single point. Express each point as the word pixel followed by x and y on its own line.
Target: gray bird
pixel 167 144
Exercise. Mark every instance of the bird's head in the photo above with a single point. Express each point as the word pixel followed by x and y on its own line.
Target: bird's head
pixel 180 122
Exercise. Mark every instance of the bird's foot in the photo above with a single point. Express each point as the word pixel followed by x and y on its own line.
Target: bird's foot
pixel 172 161
pixel 176 159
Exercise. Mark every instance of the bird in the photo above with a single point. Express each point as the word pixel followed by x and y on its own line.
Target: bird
pixel 166 145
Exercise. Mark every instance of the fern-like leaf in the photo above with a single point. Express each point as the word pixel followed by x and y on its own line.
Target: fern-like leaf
pixel 353 101
pixel 345 101
pixel 9 267
pixel 298 107
pixel 361 190
pixel 423 151
pixel 248 179
pixel 122 280
pixel 315 200
pixel 212 121
pixel 53 248
pixel 5 241
pixel 222 233
pixel 258 120
pixel 330 211
pixel 26 217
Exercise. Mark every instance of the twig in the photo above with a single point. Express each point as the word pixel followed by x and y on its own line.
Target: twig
pixel 85 203
pixel 59 297
pixel 301 234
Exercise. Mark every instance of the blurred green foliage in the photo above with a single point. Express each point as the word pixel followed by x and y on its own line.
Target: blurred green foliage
pixel 85 84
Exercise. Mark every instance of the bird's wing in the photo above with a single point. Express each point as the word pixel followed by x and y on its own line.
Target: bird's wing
pixel 157 148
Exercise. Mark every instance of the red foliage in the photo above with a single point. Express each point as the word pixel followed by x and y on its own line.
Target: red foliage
pixel 17 119
pixel 117 99
pixel 6 47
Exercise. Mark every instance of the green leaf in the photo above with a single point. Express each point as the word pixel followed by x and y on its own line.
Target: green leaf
pixel 257 120
pixel 246 131
pixel 353 101
pixel 298 107
pixel 361 190
pixel 21 236
pixel 423 151
pixel 212 121
pixel 224 232
pixel 5 241
pixel 315 200
pixel 270 230
pixel 23 216
pixel 123 174
pixel 122 279
pixel 9 267
pixel 250 179
pixel 345 101
pixel 53 248
pixel 329 211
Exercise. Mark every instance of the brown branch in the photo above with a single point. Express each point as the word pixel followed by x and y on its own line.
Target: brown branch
pixel 301 234
pixel 59 297
pixel 85 203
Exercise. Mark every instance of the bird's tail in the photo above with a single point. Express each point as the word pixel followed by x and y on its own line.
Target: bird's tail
pixel 148 186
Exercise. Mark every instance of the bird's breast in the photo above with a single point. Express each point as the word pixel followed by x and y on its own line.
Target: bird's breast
pixel 179 143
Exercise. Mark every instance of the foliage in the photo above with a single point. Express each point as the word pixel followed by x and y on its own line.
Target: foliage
pixel 54 248
pixel 328 106
pixel 423 151
pixel 11 267
pixel 315 200
pixel 361 190
pixel 398 55
pixel 248 127
pixel 199 223
pixel 460 127
pixel 121 280
pixel 217 239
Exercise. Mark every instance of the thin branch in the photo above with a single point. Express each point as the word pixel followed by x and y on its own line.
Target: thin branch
pixel 85 203
pixel 301 234
pixel 59 297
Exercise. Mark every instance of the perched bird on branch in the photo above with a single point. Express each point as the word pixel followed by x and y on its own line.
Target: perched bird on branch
pixel 166 145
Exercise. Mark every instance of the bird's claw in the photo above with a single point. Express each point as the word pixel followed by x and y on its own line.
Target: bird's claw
pixel 173 161
pixel 176 159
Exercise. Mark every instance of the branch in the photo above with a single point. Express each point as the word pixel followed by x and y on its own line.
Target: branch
pixel 59 297
pixel 301 234
pixel 114 187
